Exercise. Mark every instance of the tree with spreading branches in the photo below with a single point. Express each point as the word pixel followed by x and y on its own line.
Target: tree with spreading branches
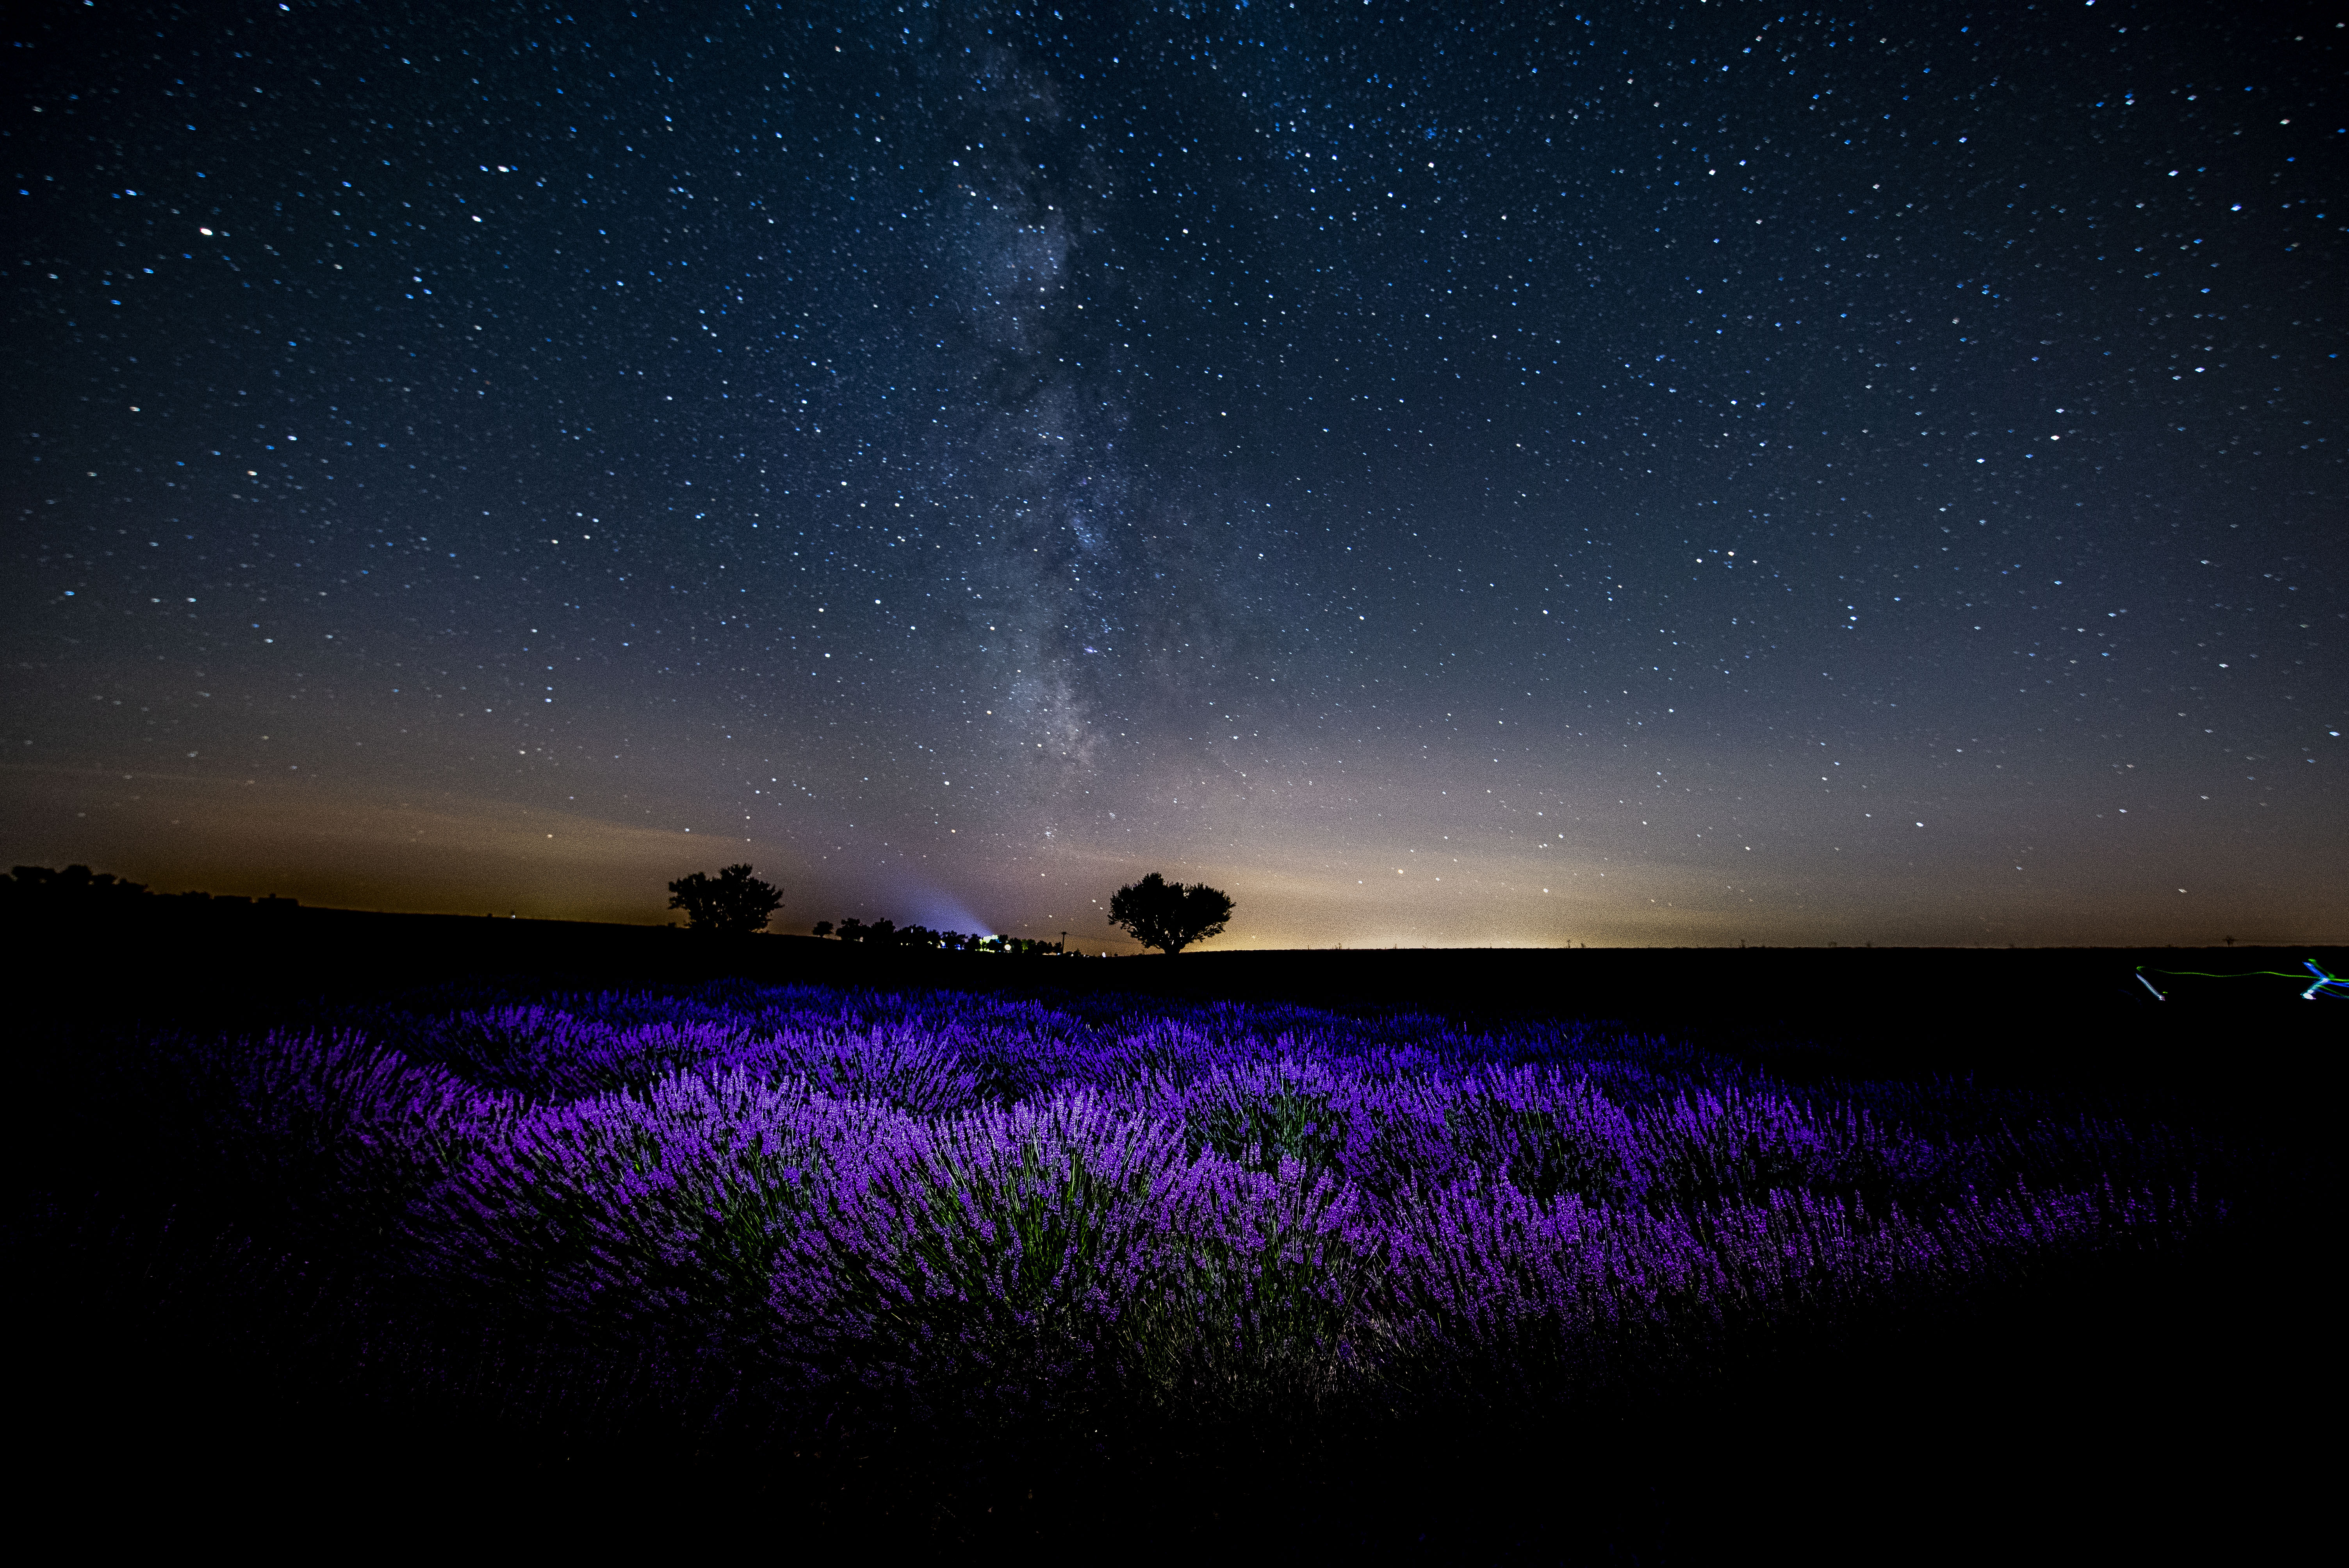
pixel 1168 916
pixel 732 903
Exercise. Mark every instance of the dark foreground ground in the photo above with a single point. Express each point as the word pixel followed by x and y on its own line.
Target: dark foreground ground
pixel 2038 1009
pixel 2151 1409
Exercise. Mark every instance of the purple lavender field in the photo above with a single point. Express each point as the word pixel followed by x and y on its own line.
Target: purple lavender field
pixel 985 1268
pixel 812 1214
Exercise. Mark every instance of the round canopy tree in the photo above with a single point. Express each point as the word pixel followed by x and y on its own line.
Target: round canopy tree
pixel 733 903
pixel 1167 915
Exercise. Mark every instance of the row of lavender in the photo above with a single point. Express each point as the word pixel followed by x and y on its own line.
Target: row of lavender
pixel 845 1207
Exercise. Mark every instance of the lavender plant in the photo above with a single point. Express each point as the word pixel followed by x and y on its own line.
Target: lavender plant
pixel 852 1209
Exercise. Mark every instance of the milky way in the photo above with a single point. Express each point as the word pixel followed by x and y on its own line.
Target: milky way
pixel 1445 474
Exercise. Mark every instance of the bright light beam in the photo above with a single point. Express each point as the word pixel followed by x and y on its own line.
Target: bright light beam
pixel 2331 986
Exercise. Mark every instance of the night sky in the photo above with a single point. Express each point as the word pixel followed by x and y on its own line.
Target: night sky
pixel 1447 475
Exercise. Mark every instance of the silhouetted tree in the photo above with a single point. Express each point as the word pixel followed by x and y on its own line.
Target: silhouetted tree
pixel 734 903
pixel 824 928
pixel 74 892
pixel 1168 916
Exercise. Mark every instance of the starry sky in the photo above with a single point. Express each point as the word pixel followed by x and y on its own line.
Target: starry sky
pixel 1446 474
